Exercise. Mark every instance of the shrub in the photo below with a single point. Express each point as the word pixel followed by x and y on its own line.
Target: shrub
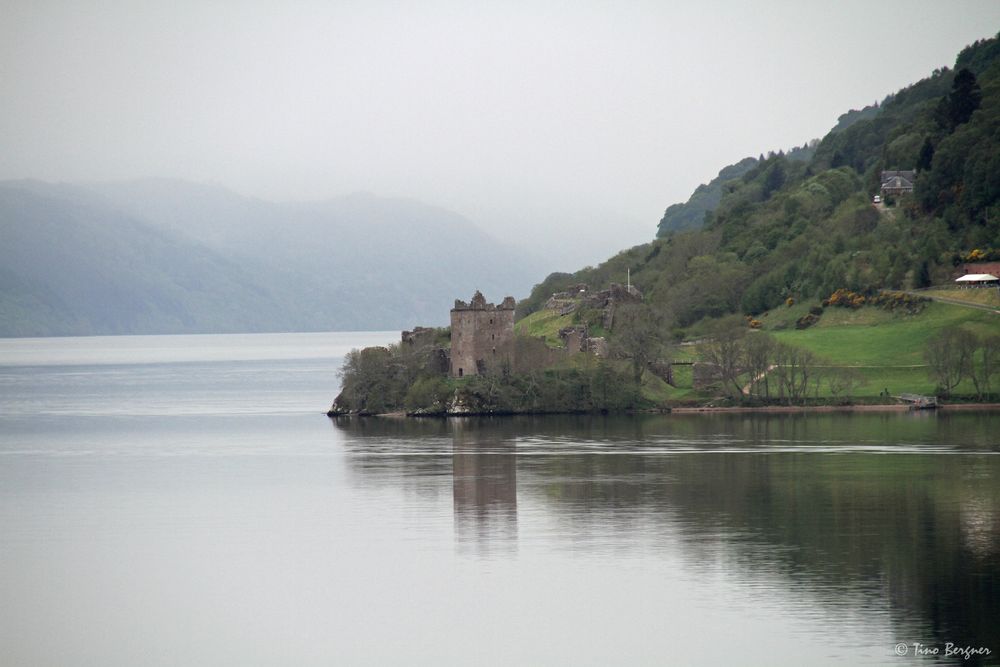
pixel 886 300
pixel 982 255
pixel 845 298
pixel 806 321
pixel 430 393
pixel 899 301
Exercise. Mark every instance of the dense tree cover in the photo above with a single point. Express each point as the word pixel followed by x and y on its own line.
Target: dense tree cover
pixel 378 379
pixel 411 378
pixel 691 214
pixel 706 197
pixel 804 229
pixel 845 120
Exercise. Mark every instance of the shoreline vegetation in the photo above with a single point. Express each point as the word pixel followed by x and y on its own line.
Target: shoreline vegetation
pixel 846 361
pixel 698 410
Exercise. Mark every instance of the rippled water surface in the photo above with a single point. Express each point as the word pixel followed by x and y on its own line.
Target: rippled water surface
pixel 183 500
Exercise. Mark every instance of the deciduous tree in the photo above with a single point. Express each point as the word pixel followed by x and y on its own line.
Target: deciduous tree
pixel 758 349
pixel 639 336
pixel 984 364
pixel 949 357
pixel 726 352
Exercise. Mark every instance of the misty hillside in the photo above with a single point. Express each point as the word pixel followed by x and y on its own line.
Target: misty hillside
pixel 161 256
pixel 706 197
pixel 80 268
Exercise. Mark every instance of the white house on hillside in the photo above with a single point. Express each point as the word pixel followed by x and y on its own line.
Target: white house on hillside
pixel 978 280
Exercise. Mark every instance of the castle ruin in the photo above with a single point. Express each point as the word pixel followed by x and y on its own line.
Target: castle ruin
pixel 482 336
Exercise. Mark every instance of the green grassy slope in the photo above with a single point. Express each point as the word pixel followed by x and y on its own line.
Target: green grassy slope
pixel 888 340
pixel 887 348
pixel 544 324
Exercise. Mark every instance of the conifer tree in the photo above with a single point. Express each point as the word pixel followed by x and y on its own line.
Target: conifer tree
pixel 961 102
pixel 926 155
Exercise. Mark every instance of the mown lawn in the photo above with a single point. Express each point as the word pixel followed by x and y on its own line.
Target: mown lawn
pixel 860 338
pixel 886 348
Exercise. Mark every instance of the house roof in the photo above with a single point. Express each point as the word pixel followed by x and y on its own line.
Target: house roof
pixel 908 174
pixel 898 179
pixel 976 278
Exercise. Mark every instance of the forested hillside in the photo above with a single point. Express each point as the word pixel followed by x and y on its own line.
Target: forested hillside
pixel 706 197
pixel 800 229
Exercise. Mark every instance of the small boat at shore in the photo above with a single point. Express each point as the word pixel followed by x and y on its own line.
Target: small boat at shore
pixel 918 402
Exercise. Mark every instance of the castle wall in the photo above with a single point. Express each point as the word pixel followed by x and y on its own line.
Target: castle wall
pixel 482 336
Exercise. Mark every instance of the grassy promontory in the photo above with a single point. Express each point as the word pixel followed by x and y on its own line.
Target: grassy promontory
pixel 848 356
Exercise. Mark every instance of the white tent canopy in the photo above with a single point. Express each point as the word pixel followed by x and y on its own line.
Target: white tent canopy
pixel 976 278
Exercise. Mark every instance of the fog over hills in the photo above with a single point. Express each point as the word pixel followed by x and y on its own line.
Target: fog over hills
pixel 168 256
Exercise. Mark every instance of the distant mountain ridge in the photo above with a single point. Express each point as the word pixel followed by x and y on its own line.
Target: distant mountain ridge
pixel 166 256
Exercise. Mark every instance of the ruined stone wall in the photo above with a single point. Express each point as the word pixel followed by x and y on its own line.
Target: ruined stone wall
pixel 574 338
pixel 482 336
pixel 419 336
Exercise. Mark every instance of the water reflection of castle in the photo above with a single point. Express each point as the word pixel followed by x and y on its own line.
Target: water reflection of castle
pixel 484 485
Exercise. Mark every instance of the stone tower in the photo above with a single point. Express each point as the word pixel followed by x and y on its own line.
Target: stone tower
pixel 482 336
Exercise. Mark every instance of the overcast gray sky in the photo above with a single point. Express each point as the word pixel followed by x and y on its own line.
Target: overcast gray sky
pixel 578 121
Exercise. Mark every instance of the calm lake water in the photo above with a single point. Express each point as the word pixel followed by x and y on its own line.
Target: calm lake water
pixel 183 500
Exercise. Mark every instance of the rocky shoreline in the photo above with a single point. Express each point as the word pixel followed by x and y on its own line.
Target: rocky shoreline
pixel 682 410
